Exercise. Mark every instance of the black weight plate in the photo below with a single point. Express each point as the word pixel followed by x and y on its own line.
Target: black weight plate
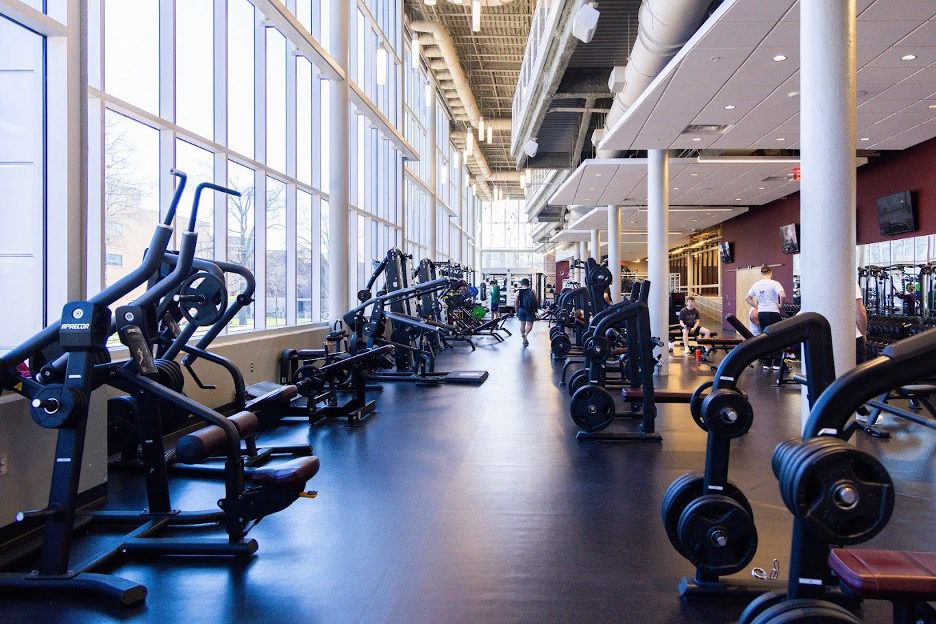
pixel 794 461
pixel 817 482
pixel 804 610
pixel 577 380
pixel 695 404
pixel 681 493
pixel 561 346
pixel 592 408
pixel 714 515
pixel 759 605
pixel 781 452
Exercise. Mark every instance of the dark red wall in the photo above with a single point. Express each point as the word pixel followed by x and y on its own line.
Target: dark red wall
pixel 756 235
pixel 562 273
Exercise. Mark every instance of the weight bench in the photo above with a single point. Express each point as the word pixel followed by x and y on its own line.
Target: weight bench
pixel 918 394
pixel 659 395
pixel 906 579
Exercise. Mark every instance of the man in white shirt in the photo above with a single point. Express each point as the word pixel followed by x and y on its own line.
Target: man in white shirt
pixel 767 296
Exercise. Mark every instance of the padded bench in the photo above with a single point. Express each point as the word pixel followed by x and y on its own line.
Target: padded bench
pixel 659 395
pixel 907 579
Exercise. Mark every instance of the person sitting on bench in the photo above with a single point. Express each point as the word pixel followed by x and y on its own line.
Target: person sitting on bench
pixel 691 324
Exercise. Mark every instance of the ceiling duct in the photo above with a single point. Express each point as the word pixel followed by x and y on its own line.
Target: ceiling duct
pixel 664 27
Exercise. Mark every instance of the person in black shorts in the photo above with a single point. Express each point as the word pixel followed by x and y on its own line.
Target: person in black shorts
pixel 527 305
pixel 690 324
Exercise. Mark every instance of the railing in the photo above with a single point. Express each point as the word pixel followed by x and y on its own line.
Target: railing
pixel 542 29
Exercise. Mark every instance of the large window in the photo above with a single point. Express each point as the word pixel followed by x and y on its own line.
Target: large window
pixel 241 240
pixel 131 52
pixel 275 253
pixel 194 77
pixel 304 259
pixel 22 166
pixel 506 238
pixel 240 78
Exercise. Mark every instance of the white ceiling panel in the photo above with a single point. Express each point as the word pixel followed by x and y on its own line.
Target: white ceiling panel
pixel 886 10
pixel 734 50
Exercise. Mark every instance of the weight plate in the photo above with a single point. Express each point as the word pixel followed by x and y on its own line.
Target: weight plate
pixel 202 298
pixel 579 378
pixel 592 408
pixel 560 346
pixel 780 454
pixel 843 494
pixel 794 460
pixel 759 605
pixel 805 610
pixel 680 494
pixel 717 534
pixel 727 412
pixel 363 295
pixel 695 404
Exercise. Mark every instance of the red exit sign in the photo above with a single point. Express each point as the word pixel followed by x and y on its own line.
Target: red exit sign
pixel 796 174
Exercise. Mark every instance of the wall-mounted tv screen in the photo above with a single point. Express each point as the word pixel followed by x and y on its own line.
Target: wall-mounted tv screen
pixel 789 238
pixel 726 251
pixel 895 213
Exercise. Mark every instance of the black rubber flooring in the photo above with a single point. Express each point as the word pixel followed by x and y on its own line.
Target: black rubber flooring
pixel 477 504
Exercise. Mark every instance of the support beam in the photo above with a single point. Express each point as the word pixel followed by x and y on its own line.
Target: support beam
pixel 614 255
pixel 433 252
pixel 596 245
pixel 657 242
pixel 827 196
pixel 338 182
pixel 582 135
pixel 583 256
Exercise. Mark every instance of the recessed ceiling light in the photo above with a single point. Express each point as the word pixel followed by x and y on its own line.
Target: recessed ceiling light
pixel 792 94
pixel 675 188
pixel 908 57
pixel 760 188
pixel 779 57
pixel 729 106
pixel 694 174
pixel 781 138
pixel 737 199
pixel 695 220
pixel 598 175
pixel 864 139
pixel 591 188
pixel 696 138
pixel 932 105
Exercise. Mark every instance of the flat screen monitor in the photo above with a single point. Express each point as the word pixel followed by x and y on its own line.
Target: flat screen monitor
pixel 726 251
pixel 789 238
pixel 895 213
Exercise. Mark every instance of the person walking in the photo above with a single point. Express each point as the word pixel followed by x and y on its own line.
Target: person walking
pixel 495 299
pixel 767 296
pixel 527 304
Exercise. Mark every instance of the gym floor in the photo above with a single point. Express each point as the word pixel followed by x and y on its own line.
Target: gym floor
pixel 477 504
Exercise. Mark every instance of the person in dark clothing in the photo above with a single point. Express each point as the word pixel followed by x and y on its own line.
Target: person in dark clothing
pixel 527 304
pixel 691 324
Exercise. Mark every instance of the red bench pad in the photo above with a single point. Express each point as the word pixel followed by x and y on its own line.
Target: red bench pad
pixel 886 574
pixel 660 396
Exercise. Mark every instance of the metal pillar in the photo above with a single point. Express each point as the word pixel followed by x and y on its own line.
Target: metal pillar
pixel 827 195
pixel 596 245
pixel 658 243
pixel 338 182
pixel 583 256
pixel 614 255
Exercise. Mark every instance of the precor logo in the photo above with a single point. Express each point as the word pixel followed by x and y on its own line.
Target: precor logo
pixel 76 326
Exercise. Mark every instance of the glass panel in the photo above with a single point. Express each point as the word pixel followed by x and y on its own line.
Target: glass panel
pixel 276 99
pixel 326 124
pixel 21 182
pixel 199 165
pixel 240 237
pixel 131 52
pixel 323 273
pixel 131 194
pixel 195 66
pixel 303 257
pixel 275 253
pixel 362 264
pixel 240 78
pixel 304 120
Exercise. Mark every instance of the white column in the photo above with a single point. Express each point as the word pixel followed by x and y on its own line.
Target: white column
pixel 596 245
pixel 614 256
pixel 583 256
pixel 338 133
pixel 657 242
pixel 827 195
pixel 433 252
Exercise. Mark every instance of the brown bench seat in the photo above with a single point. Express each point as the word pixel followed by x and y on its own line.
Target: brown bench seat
pixel 886 574
pixel 659 395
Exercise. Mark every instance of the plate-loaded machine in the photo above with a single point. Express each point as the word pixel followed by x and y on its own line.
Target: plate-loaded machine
pixel 592 406
pixel 589 299
pixel 60 397
pixel 707 518
pixel 411 337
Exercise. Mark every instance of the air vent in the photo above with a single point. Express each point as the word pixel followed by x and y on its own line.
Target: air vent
pixel 706 128
pixel 783 177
